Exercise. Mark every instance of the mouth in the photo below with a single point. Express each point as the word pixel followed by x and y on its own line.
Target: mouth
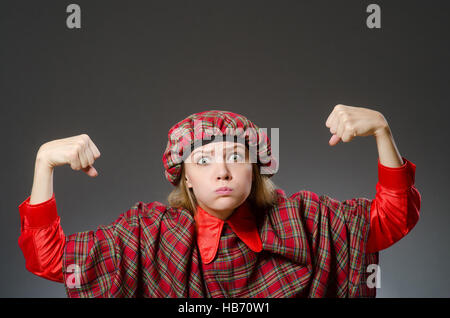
pixel 224 190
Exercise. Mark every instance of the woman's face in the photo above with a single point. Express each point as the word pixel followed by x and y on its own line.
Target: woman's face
pixel 220 175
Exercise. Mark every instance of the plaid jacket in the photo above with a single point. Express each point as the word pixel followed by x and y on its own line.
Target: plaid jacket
pixel 312 247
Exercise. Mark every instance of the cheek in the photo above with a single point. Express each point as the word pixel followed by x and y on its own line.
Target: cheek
pixel 246 174
pixel 196 176
pixel 199 184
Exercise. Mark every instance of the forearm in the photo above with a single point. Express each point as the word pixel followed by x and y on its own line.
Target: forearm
pixel 41 238
pixel 387 150
pixel 395 210
pixel 43 181
pixel 43 249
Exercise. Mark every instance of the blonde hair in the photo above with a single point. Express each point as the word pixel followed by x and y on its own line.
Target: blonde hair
pixel 262 194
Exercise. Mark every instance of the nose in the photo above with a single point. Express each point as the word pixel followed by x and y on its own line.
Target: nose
pixel 223 172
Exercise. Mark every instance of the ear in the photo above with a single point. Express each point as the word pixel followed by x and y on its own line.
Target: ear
pixel 188 183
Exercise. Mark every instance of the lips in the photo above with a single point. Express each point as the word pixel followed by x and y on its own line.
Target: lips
pixel 224 190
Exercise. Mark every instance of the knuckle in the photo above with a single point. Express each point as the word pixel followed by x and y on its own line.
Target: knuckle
pixel 80 145
pixel 73 156
pixel 83 139
pixel 77 146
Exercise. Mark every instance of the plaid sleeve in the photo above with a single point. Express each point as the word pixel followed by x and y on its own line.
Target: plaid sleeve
pixel 338 233
pixel 103 262
pixel 350 239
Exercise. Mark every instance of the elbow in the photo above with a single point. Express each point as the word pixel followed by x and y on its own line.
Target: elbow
pixel 43 261
pixel 414 203
pixel 26 244
pixel 392 220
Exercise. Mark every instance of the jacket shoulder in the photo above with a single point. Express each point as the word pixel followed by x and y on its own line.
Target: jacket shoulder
pixel 305 195
pixel 156 212
pixel 303 198
pixel 311 205
pixel 297 205
pixel 309 197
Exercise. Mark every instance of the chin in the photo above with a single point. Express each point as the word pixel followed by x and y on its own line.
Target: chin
pixel 227 203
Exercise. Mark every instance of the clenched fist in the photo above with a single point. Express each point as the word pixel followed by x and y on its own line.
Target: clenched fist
pixel 347 122
pixel 78 151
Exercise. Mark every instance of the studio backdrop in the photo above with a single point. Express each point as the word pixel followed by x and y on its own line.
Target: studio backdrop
pixel 124 72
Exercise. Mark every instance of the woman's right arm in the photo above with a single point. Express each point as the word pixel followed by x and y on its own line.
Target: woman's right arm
pixel 41 238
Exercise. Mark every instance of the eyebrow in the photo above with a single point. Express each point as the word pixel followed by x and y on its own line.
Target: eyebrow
pixel 212 150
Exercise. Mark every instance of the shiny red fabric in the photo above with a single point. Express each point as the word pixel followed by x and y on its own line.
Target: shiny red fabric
pixel 395 209
pixel 394 212
pixel 209 229
pixel 42 239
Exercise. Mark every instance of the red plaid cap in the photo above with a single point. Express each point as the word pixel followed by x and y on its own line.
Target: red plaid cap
pixel 201 128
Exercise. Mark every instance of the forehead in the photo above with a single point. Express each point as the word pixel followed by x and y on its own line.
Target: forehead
pixel 220 145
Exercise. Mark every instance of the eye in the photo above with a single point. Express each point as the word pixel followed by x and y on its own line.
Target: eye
pixel 236 157
pixel 203 161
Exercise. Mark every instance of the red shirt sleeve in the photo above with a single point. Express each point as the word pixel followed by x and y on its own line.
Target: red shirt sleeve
pixel 42 239
pixel 395 209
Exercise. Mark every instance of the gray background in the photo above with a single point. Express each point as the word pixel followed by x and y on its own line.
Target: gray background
pixel 136 68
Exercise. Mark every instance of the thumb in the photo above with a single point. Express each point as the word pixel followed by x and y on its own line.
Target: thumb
pixel 334 140
pixel 90 171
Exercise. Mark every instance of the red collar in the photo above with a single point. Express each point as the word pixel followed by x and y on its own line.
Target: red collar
pixel 209 229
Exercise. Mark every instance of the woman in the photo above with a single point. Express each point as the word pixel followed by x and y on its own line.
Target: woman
pixel 227 231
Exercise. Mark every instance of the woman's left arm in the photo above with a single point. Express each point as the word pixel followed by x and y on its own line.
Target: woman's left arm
pixel 395 209
pixel 347 122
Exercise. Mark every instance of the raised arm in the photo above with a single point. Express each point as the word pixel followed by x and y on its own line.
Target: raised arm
pixel 395 209
pixel 41 238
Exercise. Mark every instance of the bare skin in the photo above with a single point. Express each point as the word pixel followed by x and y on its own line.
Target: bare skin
pixel 78 151
pixel 216 165
pixel 348 122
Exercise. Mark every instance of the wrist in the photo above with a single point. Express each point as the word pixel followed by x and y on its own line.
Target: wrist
pixel 383 132
pixel 42 164
pixel 383 129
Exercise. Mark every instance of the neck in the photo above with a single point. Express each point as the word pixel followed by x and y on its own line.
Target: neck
pixel 221 214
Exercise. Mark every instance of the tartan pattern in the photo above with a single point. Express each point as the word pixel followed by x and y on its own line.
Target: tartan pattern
pixel 312 247
pixel 204 125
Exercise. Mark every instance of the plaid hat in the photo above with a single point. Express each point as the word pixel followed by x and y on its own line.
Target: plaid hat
pixel 215 125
